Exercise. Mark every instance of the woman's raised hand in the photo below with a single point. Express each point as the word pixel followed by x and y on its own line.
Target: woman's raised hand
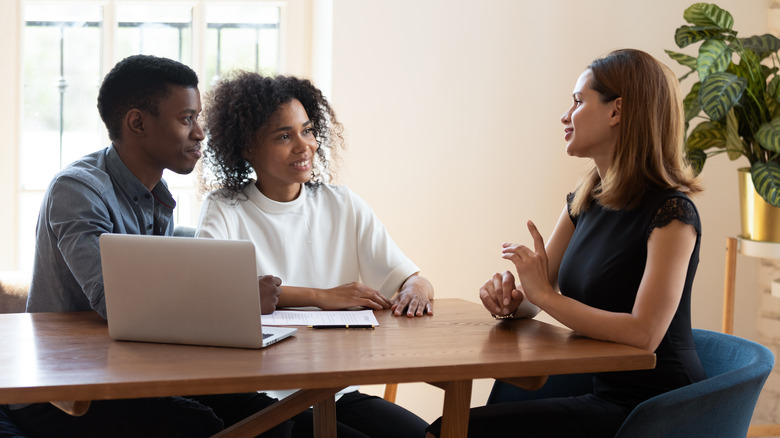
pixel 531 265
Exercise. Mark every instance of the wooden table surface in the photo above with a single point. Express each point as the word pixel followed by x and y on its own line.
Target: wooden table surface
pixel 69 356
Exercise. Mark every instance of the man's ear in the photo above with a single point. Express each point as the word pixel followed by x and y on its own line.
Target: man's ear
pixel 617 105
pixel 133 122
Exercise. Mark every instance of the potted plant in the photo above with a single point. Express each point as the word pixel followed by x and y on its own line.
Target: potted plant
pixel 737 98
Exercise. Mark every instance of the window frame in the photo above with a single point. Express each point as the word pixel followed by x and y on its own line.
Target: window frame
pixel 295 48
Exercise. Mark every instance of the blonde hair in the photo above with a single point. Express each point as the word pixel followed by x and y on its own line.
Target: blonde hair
pixel 649 152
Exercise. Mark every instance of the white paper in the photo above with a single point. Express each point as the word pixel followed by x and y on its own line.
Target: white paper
pixel 321 317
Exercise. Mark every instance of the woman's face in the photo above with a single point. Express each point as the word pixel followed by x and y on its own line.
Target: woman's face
pixel 590 125
pixel 283 152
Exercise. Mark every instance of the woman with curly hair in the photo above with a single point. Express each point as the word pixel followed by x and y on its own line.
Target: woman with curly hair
pixel 322 240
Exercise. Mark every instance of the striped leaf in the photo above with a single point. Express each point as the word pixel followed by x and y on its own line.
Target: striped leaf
pixel 734 145
pixel 714 57
pixel 707 135
pixel 683 59
pixel 696 158
pixel 719 93
pixel 687 35
pixel 774 88
pixel 766 179
pixel 772 106
pixel 691 103
pixel 762 45
pixel 768 135
pixel 707 14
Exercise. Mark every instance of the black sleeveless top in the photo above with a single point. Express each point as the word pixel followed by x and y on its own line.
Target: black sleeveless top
pixel 603 267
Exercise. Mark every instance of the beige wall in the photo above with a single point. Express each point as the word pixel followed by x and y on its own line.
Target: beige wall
pixel 452 113
pixel 9 119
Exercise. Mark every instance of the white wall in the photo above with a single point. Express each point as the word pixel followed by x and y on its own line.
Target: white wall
pixel 452 112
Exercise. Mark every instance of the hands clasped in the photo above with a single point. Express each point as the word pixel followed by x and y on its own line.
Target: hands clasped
pixel 501 295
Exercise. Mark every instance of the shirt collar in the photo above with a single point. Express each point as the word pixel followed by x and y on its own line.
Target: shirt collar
pixel 268 204
pixel 131 184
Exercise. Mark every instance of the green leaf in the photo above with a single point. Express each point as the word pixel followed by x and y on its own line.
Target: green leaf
pixel 691 105
pixel 772 106
pixel 697 158
pixel 683 59
pixel 714 57
pixel 734 148
pixel 766 179
pixel 707 14
pixel 768 135
pixel 707 135
pixel 773 88
pixel 719 93
pixel 687 35
pixel 761 45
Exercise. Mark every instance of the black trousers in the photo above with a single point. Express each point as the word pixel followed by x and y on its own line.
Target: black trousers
pixel 360 415
pixel 164 417
pixel 581 416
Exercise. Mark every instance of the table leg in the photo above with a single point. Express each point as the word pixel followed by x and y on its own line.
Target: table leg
pixel 457 402
pixel 325 418
pixel 279 412
pixel 74 408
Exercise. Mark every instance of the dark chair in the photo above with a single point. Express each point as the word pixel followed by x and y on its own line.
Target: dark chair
pixel 721 405
pixel 184 231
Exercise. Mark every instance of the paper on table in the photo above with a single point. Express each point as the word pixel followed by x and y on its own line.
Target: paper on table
pixel 321 317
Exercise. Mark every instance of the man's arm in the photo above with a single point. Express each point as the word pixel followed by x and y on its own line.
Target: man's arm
pixel 75 217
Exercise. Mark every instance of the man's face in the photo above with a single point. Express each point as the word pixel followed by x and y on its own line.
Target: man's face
pixel 174 135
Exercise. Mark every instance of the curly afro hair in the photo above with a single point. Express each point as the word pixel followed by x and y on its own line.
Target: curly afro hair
pixel 241 104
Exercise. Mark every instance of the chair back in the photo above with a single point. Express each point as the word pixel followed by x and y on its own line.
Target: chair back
pixel 721 405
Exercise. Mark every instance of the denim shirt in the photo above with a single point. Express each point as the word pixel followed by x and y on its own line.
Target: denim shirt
pixel 96 194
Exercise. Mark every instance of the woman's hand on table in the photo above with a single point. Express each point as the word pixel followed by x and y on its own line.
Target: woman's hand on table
pixel 414 298
pixel 352 295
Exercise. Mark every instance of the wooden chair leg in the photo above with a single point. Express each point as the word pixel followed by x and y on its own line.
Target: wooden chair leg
pixel 391 389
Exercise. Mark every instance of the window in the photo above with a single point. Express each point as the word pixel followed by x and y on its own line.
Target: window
pixel 67 47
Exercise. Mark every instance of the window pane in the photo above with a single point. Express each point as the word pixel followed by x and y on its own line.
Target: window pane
pixel 61 79
pixel 241 36
pixel 160 30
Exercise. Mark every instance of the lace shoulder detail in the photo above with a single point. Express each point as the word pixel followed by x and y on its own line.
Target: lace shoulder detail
pixel 678 208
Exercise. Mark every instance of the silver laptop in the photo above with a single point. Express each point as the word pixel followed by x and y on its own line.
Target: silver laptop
pixel 184 291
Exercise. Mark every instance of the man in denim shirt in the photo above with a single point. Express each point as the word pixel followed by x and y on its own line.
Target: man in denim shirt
pixel 150 107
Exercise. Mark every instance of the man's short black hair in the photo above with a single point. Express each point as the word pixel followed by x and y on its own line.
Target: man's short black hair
pixel 139 81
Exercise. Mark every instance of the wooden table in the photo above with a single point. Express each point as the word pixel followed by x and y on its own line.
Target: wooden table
pixel 69 356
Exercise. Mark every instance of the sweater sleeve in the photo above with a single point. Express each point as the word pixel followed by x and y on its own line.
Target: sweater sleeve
pixel 382 264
